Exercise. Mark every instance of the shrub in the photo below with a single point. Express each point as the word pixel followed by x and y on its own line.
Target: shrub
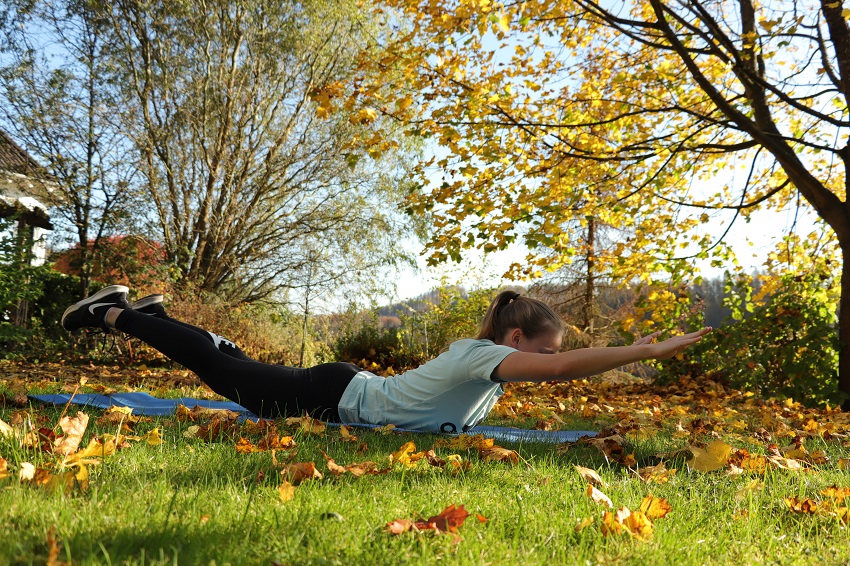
pixel 266 332
pixel 456 314
pixel 783 343
pixel 363 341
pixel 19 284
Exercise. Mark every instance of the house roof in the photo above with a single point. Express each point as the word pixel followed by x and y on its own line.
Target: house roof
pixel 22 184
pixel 13 158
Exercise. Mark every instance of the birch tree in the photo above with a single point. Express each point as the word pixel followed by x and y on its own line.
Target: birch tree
pixel 242 176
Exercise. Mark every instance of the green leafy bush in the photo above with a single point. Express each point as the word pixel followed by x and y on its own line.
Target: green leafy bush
pixel 363 341
pixel 423 333
pixel 456 314
pixel 18 285
pixel 783 343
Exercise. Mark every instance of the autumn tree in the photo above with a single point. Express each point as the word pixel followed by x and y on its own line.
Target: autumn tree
pixel 58 98
pixel 699 108
pixel 241 176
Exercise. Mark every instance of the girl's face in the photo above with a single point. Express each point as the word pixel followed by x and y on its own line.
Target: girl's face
pixel 547 343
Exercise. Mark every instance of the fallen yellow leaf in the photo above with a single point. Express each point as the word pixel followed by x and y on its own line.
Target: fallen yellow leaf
pixel 74 428
pixel 286 491
pixel 655 507
pixel 713 457
pixel 599 497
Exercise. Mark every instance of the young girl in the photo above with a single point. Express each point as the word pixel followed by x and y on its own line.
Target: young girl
pixel 518 341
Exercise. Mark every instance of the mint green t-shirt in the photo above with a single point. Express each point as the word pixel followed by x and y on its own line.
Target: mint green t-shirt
pixel 451 393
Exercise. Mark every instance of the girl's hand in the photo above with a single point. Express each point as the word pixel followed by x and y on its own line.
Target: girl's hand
pixel 672 346
pixel 648 339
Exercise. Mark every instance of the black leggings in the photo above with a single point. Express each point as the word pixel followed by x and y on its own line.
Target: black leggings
pixel 264 389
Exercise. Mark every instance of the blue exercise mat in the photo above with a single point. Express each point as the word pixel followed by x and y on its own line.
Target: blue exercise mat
pixel 141 403
pixel 148 405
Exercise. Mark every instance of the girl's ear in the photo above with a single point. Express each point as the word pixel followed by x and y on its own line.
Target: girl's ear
pixel 515 336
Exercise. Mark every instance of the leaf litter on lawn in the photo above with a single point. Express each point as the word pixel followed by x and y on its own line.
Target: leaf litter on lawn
pixel 720 431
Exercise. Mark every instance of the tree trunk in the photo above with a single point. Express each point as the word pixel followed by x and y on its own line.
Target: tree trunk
pixel 24 243
pixel 589 282
pixel 304 327
pixel 844 327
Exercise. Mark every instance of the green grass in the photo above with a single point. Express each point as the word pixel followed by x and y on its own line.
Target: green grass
pixel 192 502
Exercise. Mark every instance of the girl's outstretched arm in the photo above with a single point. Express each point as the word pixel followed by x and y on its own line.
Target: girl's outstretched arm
pixel 575 364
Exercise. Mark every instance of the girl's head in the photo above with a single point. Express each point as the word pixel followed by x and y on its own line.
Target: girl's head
pixel 522 323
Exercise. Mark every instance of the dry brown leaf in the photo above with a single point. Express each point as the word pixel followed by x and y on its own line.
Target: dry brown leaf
pixel 41 439
pixel 97 448
pixel 5 429
pixel 53 549
pixel 434 460
pixel 638 525
pixel 386 429
pixel 740 515
pixel 403 454
pixel 785 463
pixel 466 442
pixel 499 454
pixel 804 506
pixel 115 415
pixel 586 522
pixel 27 472
pixel 591 476
pixel 399 526
pixel 345 434
pixel 335 468
pixel 366 468
pixel 449 520
pixel 273 441
pixel 152 437
pixel 297 472
pixel 610 525
pixel 754 485
pixel 656 474
pixel 455 464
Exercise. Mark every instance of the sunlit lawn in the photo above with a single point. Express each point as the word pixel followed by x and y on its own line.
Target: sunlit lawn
pixel 189 501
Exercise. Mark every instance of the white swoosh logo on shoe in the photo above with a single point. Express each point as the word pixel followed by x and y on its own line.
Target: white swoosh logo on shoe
pixel 95 305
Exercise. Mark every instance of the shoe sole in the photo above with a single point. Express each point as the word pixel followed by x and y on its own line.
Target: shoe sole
pixel 93 299
pixel 146 302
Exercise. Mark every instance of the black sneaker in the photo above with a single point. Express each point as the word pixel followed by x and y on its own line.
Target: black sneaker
pixel 89 312
pixel 152 305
